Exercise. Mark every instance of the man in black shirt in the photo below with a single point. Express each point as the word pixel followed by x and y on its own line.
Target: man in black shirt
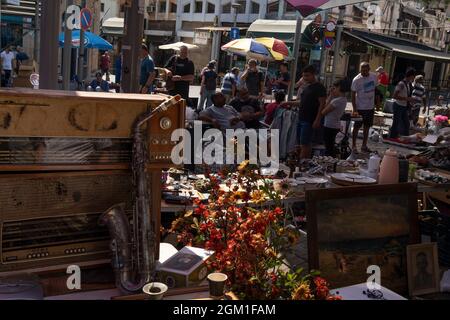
pixel 313 100
pixel 181 73
pixel 249 109
pixel 284 80
pixel 253 79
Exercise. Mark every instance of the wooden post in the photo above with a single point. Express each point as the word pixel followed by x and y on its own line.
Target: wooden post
pixel 134 32
pixel 49 51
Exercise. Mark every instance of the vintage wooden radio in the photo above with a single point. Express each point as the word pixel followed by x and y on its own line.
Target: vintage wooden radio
pixel 79 147
pixel 52 218
pixel 60 130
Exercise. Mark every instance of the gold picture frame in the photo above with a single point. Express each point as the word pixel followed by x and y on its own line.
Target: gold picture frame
pixel 425 257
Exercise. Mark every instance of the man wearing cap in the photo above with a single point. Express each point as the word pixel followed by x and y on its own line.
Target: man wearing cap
pixel 383 81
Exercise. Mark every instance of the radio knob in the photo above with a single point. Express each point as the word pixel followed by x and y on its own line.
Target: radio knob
pixel 83 250
pixel 155 141
pixel 29 256
pixel 165 123
pixel 66 251
pixel 164 142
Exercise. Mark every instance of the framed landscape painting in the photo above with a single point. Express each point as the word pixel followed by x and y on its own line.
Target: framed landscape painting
pixel 352 228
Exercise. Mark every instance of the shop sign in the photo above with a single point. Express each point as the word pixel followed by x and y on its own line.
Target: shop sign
pixel 331 26
pixel 86 19
pixel 201 37
pixel 329 42
pixel 235 33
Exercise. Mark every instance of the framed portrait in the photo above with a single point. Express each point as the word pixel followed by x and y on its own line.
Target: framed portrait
pixel 352 228
pixel 423 269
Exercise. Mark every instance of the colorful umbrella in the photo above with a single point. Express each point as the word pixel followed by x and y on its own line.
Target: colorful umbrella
pixel 308 7
pixel 91 41
pixel 278 49
pixel 248 48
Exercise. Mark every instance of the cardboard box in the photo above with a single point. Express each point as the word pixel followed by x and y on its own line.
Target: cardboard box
pixel 186 268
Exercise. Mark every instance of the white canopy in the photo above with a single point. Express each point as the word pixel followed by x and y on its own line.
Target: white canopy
pixel 177 45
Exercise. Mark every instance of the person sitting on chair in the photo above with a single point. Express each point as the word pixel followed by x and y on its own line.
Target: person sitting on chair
pixel 222 116
pixel 98 84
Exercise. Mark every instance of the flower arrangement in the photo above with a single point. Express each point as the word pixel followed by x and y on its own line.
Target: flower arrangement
pixel 440 119
pixel 249 239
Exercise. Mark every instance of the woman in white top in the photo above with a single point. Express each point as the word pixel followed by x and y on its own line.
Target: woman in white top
pixel 333 112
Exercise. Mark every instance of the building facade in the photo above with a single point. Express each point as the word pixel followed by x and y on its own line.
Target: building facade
pixel 396 35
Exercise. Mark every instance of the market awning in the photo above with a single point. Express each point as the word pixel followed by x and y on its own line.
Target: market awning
pixel 401 47
pixel 223 29
pixel 113 26
pixel 280 29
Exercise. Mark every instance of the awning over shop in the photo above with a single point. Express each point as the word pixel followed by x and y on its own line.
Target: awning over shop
pixel 280 29
pixel 223 29
pixel 113 26
pixel 399 46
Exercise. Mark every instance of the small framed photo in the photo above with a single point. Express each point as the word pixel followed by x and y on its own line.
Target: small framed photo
pixel 423 269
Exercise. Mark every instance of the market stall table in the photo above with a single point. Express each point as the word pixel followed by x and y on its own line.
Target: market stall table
pixel 356 292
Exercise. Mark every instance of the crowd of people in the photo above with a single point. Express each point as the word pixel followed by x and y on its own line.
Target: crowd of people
pixel 238 100
pixel 10 61
pixel 240 103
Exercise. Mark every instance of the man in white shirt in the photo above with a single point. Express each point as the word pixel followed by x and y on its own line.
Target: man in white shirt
pixel 7 58
pixel 363 101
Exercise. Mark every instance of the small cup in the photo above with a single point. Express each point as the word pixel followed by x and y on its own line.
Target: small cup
pixel 217 285
pixel 155 290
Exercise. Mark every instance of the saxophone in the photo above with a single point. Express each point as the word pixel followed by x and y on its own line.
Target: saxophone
pixel 134 251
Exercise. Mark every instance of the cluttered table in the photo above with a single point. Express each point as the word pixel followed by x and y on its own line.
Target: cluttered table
pixel 179 194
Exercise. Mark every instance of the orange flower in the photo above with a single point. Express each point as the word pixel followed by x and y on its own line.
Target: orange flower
pixel 302 292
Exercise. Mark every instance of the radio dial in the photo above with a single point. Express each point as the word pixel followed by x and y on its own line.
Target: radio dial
pixel 165 123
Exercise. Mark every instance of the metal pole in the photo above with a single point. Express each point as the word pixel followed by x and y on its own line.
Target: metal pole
pixel 323 53
pixel 337 48
pixel 444 64
pixel 67 52
pixel 81 51
pixel 49 52
pixel 0 26
pixel 235 8
pixel 36 33
pixel 297 40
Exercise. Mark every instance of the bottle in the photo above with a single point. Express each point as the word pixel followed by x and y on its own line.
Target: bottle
pixel 403 165
pixel 374 163
pixel 389 169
